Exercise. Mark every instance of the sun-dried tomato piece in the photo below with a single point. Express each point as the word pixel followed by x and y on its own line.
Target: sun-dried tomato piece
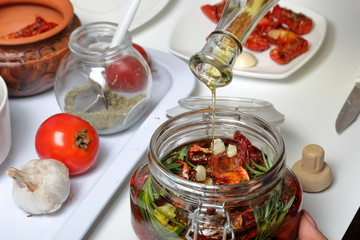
pixel 285 53
pixel 213 12
pixel 281 36
pixel 198 155
pixel 298 22
pixel 257 42
pixel 40 26
pixel 268 23
pixel 227 170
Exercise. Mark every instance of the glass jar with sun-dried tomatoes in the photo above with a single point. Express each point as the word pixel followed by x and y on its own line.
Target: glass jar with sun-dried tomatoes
pixel 221 178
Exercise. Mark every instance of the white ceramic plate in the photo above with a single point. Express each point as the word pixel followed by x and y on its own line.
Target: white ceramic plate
pixel 192 29
pixel 112 10
pixel 119 154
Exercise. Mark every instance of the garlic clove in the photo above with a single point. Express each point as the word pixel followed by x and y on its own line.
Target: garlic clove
pixel 200 175
pixel 40 186
pixel 231 150
pixel 275 34
pixel 245 60
pixel 219 146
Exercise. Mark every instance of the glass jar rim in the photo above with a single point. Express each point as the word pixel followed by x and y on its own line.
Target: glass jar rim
pixel 246 189
pixel 103 29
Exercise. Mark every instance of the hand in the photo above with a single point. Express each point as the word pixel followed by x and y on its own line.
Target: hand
pixel 308 229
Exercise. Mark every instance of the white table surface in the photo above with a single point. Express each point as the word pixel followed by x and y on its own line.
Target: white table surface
pixel 310 99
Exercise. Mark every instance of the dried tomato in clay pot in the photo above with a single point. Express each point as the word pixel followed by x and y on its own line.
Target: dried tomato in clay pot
pixel 34 36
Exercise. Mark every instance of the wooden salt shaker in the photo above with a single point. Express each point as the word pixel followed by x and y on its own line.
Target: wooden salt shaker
pixel 313 173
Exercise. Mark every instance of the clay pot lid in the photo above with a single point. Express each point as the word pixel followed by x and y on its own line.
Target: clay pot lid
pixel 17 14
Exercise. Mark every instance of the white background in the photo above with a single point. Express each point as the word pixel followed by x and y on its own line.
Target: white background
pixel 310 99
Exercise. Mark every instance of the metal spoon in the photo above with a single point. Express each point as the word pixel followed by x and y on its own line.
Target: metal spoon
pixel 93 99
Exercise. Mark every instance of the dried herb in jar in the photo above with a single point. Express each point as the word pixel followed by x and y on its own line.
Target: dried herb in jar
pixel 116 110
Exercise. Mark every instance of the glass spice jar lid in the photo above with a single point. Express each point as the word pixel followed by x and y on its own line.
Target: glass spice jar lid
pixel 258 107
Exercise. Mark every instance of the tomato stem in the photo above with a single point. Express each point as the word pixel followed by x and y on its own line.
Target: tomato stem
pixel 81 139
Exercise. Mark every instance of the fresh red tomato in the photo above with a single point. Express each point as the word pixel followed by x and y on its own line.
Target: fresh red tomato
pixel 127 74
pixel 142 52
pixel 69 139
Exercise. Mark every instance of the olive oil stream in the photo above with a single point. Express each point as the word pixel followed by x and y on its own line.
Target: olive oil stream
pixel 213 108
pixel 214 63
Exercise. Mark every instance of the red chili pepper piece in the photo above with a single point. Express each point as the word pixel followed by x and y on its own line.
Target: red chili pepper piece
pixel 185 169
pixel 244 146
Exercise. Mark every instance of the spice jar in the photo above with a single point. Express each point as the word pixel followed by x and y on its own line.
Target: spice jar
pixel 167 206
pixel 110 87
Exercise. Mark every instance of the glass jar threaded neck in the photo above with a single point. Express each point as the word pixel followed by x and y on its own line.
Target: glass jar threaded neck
pixel 91 42
pixel 197 126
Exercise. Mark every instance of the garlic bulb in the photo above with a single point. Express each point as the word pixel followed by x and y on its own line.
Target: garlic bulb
pixel 40 186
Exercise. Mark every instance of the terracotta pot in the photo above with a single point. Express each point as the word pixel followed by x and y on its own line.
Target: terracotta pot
pixel 28 65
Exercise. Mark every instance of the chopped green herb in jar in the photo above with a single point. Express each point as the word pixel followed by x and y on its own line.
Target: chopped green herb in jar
pixel 229 161
pixel 161 213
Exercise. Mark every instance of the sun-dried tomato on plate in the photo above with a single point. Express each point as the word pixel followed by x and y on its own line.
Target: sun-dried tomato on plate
pixel 39 26
pixel 288 45
pixel 285 23
pixel 213 12
pixel 297 22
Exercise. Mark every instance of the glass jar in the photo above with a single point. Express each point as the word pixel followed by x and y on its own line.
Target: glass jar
pixel 108 87
pixel 166 206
